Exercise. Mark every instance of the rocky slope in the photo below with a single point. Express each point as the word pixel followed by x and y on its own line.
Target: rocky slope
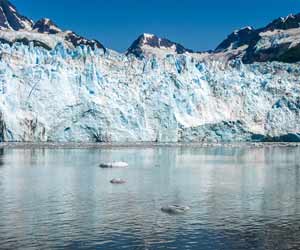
pixel 10 19
pixel 278 41
pixel 44 33
pixel 148 44
pixel 52 89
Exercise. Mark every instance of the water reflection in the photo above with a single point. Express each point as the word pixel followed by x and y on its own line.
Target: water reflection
pixel 241 198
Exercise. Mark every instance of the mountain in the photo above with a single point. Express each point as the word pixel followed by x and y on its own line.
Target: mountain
pixel 278 41
pixel 284 23
pixel 57 86
pixel 149 43
pixel 11 19
pixel 238 38
pixel 47 26
pixel 44 33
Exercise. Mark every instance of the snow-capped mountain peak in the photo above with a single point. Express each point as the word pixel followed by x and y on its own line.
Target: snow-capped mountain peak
pixel 283 23
pixel 152 44
pixel 290 16
pixel 10 19
pixel 45 25
pixel 277 41
pixel 44 33
pixel 238 38
pixel 77 40
pixel 244 29
pixel 147 36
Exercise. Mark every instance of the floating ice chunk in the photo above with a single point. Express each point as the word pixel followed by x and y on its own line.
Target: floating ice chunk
pixel 114 165
pixel 117 181
pixel 175 209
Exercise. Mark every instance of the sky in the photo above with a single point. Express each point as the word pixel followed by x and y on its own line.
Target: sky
pixel 196 24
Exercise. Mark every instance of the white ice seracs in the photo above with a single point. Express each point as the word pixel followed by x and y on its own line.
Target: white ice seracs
pixel 81 95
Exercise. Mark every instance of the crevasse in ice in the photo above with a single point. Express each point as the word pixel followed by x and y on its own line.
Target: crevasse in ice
pixel 82 95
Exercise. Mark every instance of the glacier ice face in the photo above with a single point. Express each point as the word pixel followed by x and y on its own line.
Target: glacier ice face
pixel 85 95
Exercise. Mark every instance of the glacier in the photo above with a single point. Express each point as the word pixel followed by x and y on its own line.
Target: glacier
pixel 92 95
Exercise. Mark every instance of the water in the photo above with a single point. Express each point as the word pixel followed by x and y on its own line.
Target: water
pixel 241 198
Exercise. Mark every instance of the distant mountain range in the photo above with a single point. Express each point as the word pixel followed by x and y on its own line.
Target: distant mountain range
pixel 28 31
pixel 277 41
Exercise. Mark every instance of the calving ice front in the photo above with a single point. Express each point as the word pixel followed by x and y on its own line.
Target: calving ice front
pixel 58 86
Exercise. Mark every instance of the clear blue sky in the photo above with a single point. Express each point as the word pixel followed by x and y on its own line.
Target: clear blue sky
pixel 196 24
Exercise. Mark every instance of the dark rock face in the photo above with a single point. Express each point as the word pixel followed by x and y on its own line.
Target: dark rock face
pixel 280 53
pixel 10 18
pixel 290 55
pixel 77 40
pixel 153 41
pixel 46 26
pixel 290 22
pixel 35 43
pixel 27 42
pixel 246 36
pixel 275 53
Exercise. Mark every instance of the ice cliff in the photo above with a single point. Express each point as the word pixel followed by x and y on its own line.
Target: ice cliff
pixel 87 95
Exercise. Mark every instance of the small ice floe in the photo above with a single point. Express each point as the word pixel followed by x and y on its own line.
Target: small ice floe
pixel 117 181
pixel 114 165
pixel 175 209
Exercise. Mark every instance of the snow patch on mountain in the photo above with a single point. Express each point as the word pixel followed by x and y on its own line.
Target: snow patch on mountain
pixel 11 19
pixel 45 25
pixel 48 40
pixel 275 38
pixel 149 44
pixel 44 33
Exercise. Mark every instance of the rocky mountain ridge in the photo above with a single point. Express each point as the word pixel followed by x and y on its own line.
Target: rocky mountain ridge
pixel 15 27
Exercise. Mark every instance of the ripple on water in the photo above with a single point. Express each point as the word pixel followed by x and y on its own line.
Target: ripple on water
pixel 241 198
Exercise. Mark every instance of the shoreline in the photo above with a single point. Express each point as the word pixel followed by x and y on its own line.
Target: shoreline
pixel 71 145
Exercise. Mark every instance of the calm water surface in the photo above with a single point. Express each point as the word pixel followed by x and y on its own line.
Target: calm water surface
pixel 241 198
